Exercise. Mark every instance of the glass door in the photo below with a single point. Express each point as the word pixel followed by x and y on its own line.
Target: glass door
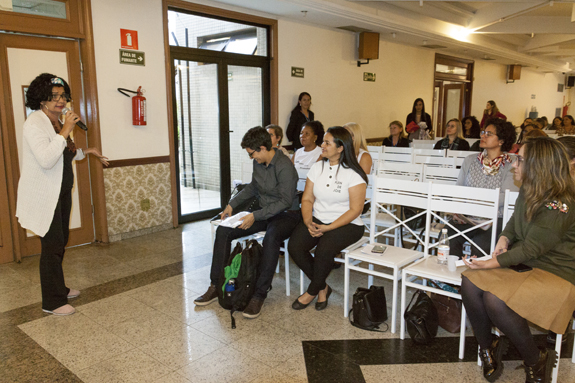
pixel 198 140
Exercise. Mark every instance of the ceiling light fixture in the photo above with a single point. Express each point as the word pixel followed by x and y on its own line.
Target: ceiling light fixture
pixel 304 13
pixel 421 3
pixel 393 34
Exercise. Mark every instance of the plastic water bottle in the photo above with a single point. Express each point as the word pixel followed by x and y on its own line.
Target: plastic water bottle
pixel 443 248
pixel 231 285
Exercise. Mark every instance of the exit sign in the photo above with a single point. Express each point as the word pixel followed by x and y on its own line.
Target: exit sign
pixel 297 72
pixel 368 76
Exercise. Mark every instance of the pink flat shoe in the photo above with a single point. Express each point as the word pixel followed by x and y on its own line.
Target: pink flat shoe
pixel 73 293
pixel 62 310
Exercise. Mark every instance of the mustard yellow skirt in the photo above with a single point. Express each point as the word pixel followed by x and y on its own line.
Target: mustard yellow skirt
pixel 542 298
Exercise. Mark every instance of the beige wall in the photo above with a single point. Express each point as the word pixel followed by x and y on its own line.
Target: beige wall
pixel 121 139
pixel 339 94
pixel 514 99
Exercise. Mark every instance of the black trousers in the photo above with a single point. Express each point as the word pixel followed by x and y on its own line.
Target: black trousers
pixel 54 290
pixel 481 237
pixel 328 246
pixel 278 228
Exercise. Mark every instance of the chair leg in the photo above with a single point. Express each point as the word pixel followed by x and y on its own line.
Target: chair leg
pixel 278 268
pixel 370 277
pixel 346 287
pixel 558 350
pixel 301 290
pixel 286 259
pixel 403 296
pixel 394 299
pixel 462 335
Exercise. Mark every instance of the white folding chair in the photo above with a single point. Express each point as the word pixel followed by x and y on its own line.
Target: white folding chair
pixel 302 178
pixel 419 155
pixel 398 152
pixel 389 192
pixel 483 203
pixel 423 144
pixel 394 158
pixel 402 171
pixel 459 155
pixel 438 162
pixel 438 175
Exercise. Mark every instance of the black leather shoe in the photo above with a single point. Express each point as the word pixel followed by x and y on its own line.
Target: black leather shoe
pixel 322 305
pixel 491 358
pixel 542 370
pixel 297 305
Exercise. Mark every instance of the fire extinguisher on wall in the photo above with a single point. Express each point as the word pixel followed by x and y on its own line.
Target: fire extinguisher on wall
pixel 138 106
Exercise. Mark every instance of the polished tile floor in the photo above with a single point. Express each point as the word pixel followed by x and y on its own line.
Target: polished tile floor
pixel 136 322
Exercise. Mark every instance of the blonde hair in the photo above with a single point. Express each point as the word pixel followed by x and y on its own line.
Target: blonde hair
pixel 359 141
pixel 459 128
pixel 546 174
pixel 398 123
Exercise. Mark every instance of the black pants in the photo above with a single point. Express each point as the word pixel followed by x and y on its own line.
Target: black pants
pixel 481 237
pixel 278 228
pixel 330 244
pixel 54 290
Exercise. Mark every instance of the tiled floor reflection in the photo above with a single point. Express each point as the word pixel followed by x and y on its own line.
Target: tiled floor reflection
pixel 136 322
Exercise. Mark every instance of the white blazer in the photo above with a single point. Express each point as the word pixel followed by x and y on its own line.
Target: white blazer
pixel 41 173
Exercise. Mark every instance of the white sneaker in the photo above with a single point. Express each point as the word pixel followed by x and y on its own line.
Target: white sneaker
pixel 73 293
pixel 62 310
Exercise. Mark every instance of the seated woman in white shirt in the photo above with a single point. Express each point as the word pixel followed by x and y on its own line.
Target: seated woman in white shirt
pixel 311 137
pixel 360 146
pixel 331 204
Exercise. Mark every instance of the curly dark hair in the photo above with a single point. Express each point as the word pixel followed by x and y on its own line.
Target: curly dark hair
pixel 475 129
pixel 255 138
pixel 41 90
pixel 505 132
pixel 318 130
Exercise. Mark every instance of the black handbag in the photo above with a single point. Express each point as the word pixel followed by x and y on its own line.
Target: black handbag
pixel 421 318
pixel 369 308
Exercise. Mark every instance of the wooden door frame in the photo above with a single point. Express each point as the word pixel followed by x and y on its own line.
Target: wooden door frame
pixel 217 13
pixel 83 31
pixel 445 88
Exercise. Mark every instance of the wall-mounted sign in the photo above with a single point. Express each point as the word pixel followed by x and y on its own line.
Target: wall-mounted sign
pixel 296 72
pixel 129 39
pixel 368 76
pixel 132 57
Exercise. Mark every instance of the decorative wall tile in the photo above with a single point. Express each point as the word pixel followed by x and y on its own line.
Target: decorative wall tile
pixel 137 197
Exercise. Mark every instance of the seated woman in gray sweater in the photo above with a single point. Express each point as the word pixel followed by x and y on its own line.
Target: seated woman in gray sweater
pixel 491 169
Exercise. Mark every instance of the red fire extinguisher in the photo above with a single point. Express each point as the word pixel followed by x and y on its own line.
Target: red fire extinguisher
pixel 138 106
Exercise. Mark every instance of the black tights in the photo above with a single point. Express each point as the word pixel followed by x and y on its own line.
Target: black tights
pixel 486 310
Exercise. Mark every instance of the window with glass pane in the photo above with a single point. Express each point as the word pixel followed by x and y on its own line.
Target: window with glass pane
pixel 193 31
pixel 48 8
pixel 451 69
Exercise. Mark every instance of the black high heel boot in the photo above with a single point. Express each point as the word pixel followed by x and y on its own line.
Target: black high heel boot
pixel 542 370
pixel 491 358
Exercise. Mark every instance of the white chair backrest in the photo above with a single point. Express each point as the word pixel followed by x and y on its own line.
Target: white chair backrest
pixel 468 201
pixel 402 171
pixel 369 189
pixel 373 149
pixel 395 158
pixel 460 155
pixel 247 170
pixel 302 177
pixel 440 175
pixel 423 144
pixel 396 150
pixel 443 162
pixel 509 205
pixel 391 191
pixel 421 154
pixel 471 141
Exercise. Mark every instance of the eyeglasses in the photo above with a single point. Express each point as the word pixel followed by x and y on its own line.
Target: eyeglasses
pixel 487 133
pixel 57 97
pixel 252 154
pixel 519 159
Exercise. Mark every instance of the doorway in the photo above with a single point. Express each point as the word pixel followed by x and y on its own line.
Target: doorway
pixel 452 92
pixel 220 89
pixel 26 58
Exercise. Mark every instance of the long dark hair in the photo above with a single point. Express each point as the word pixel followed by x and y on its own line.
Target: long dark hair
pixel 422 108
pixel 298 106
pixel 475 128
pixel 347 159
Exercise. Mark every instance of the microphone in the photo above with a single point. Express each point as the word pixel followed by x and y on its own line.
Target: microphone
pixel 79 123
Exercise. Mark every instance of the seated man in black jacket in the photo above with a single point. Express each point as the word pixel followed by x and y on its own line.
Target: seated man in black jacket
pixel 274 182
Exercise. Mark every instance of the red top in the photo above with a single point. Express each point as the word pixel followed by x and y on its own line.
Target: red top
pixel 487 117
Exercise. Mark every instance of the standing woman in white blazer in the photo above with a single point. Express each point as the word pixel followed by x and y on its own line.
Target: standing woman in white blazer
pixel 46 181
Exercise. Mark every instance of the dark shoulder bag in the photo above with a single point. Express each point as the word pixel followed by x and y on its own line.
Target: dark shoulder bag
pixel 421 318
pixel 369 308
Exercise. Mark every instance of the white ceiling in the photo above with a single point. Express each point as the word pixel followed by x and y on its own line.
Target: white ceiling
pixel 534 33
